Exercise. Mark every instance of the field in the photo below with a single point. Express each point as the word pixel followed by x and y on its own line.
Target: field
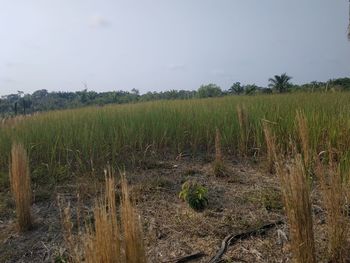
pixel 160 145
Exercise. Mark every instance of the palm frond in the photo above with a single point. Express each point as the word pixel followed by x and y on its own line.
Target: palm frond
pixel 280 82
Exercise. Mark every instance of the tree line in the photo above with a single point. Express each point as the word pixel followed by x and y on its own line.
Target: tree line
pixel 42 100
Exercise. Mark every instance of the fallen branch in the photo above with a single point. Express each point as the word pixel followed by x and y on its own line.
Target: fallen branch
pixel 231 239
pixel 186 258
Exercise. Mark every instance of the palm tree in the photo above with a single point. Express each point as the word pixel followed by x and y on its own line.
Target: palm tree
pixel 280 83
pixel 236 88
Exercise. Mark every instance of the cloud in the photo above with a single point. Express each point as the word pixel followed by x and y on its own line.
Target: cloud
pixel 8 80
pixel 11 64
pixel 98 21
pixel 218 72
pixel 30 45
pixel 176 67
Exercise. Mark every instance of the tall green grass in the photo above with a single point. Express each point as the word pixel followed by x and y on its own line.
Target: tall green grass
pixel 62 143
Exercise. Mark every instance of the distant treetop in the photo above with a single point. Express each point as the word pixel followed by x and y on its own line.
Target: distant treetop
pixel 43 100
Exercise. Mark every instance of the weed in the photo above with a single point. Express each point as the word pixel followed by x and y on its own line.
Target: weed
pixel 79 141
pixel 195 195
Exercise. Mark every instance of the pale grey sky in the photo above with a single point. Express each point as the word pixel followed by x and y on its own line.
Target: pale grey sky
pixel 155 45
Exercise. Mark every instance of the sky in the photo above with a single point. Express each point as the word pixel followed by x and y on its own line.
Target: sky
pixel 158 45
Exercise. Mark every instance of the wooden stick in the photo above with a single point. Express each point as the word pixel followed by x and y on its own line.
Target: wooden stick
pixel 231 239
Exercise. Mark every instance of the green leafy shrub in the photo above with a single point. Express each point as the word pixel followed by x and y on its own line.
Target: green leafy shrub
pixel 195 195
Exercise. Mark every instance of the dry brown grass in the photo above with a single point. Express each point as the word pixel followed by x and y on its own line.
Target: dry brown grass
pixel 106 240
pixel 303 132
pixel 335 190
pixel 242 115
pixel 270 147
pixel 296 196
pixel 218 150
pixel 101 243
pixel 70 240
pixel 133 238
pixel 218 164
pixel 12 121
pixel 21 186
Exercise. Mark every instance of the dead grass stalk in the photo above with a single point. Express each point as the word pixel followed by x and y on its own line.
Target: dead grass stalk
pixel 335 190
pixel 21 186
pixel 296 196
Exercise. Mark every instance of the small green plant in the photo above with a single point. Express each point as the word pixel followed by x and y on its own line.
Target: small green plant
pixel 195 195
pixel 60 259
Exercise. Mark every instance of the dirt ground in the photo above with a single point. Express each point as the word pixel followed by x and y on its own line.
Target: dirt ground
pixel 245 199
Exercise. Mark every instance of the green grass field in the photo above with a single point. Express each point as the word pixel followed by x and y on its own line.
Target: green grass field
pixel 80 141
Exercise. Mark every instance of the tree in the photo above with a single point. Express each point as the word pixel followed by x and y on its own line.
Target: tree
pixel 83 96
pixel 250 89
pixel 280 83
pixel 236 88
pixel 40 94
pixel 343 83
pixel 135 92
pixel 266 90
pixel 208 91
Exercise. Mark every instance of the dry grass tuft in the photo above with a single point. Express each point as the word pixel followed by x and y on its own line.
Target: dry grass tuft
pixel 106 240
pixel 101 243
pixel 303 132
pixel 21 186
pixel 242 115
pixel 133 238
pixel 12 121
pixel 218 164
pixel 270 147
pixel 335 190
pixel 296 196
pixel 69 238
pixel 218 150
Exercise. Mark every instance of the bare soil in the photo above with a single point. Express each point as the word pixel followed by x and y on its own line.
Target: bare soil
pixel 247 198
